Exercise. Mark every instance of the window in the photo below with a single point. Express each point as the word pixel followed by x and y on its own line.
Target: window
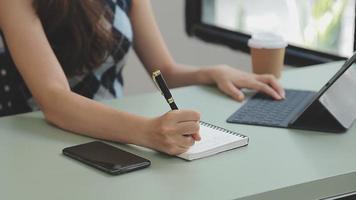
pixel 318 31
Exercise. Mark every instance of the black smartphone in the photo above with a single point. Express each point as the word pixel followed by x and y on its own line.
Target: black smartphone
pixel 107 158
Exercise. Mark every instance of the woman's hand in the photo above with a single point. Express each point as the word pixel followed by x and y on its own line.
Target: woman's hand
pixel 230 81
pixel 173 133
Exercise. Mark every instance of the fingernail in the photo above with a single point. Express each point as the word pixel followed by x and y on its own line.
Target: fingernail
pixel 283 94
pixel 196 137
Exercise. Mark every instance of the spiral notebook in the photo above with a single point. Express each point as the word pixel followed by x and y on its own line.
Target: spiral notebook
pixel 214 140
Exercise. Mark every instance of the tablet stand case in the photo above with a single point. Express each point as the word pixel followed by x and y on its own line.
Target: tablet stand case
pixel 317 118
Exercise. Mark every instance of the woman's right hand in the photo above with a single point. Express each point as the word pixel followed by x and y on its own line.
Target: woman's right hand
pixel 174 132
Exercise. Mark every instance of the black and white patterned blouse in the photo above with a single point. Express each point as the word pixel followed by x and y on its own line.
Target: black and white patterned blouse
pixel 105 82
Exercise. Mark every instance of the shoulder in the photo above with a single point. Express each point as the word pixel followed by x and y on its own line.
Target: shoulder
pixel 139 2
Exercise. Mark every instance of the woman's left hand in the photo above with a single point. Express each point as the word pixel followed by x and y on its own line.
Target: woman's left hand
pixel 230 81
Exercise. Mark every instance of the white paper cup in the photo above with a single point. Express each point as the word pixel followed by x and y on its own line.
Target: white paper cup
pixel 267 53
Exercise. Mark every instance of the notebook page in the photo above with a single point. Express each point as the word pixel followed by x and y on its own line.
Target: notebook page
pixel 210 139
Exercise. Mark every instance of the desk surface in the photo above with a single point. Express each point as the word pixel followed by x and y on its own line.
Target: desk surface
pixel 277 164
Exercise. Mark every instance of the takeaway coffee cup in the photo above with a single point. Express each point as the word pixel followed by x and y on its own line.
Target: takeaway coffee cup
pixel 267 53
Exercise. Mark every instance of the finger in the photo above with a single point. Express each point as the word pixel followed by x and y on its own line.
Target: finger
pixel 188 128
pixel 185 142
pixel 196 136
pixel 176 150
pixel 180 150
pixel 186 115
pixel 230 89
pixel 265 88
pixel 272 81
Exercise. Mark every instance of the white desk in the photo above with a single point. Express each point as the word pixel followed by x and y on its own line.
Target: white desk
pixel 277 164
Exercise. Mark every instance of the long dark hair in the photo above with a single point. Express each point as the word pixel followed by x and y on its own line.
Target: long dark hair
pixel 77 32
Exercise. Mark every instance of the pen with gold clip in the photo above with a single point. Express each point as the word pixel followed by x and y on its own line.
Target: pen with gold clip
pixel 162 86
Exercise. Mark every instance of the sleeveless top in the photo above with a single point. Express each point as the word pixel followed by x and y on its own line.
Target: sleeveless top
pixel 105 82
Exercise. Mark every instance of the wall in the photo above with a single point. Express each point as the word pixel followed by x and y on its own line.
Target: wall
pixel 170 18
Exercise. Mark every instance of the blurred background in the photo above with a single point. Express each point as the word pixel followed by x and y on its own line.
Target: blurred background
pixel 323 27
pixel 170 16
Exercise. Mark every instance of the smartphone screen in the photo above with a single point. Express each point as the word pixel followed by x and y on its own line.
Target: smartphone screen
pixel 106 157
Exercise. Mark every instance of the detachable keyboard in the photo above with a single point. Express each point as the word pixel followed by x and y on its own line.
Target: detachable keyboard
pixel 263 110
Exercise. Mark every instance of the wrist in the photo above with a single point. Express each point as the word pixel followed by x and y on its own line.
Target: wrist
pixel 212 74
pixel 131 129
pixel 143 134
pixel 206 75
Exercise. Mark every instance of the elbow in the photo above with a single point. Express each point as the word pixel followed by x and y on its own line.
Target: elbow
pixel 53 108
pixel 59 115
pixel 52 117
pixel 170 71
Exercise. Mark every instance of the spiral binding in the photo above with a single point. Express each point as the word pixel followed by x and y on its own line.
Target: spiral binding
pixel 221 129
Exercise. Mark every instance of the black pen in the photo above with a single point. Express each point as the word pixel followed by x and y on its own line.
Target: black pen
pixel 162 86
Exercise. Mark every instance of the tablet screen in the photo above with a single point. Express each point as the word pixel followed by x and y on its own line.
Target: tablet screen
pixel 340 97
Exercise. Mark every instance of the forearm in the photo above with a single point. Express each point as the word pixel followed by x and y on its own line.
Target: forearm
pixel 180 75
pixel 78 114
